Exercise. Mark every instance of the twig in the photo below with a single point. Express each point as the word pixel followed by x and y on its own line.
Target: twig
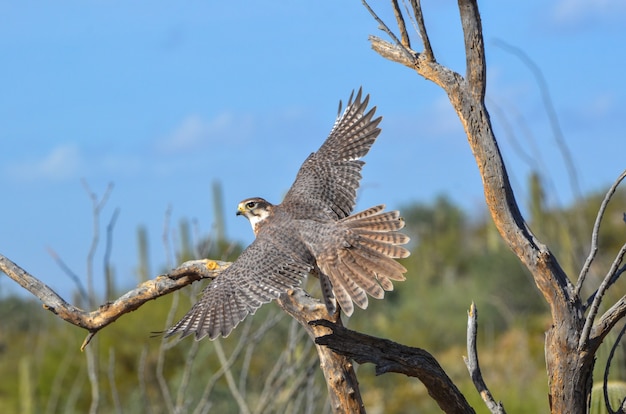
pixel 419 19
pixel 106 260
pixel 167 245
pixel 409 54
pixel 141 376
pixel 178 406
pixel 59 379
pixel 607 322
pixel 97 206
pixel 473 366
pixel 111 376
pixel 283 379
pixel 599 294
pixel 69 272
pixel 401 25
pixel 605 388
pixel 614 278
pixel 93 374
pixel 160 366
pixel 596 230
pixel 232 386
pixel 108 313
pixel 244 340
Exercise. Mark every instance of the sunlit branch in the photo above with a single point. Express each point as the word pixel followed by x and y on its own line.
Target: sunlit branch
pixel 401 25
pixel 473 366
pixel 419 20
pixel 408 54
pixel 108 313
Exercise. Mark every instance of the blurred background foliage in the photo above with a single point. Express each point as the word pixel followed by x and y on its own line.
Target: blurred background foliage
pixel 269 365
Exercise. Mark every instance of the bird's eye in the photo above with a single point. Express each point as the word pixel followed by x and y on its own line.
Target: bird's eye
pixel 250 204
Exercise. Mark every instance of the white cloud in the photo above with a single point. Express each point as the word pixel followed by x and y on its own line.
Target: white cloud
pixel 60 163
pixel 195 132
pixel 602 105
pixel 574 12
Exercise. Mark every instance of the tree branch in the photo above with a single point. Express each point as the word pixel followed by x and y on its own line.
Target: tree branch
pixel 403 48
pixel 608 280
pixel 471 361
pixel 421 26
pixel 108 313
pixel 401 25
pixel 96 207
pixel 340 377
pixel 389 356
pixel 605 382
pixel 595 233
pixel 570 372
pixel 606 322
pixel 476 69
pixel 341 381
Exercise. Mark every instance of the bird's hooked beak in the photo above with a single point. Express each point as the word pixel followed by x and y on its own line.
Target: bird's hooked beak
pixel 240 210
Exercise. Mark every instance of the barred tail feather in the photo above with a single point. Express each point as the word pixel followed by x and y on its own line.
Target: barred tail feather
pixel 327 293
pixel 343 298
pixel 365 264
pixel 370 283
pixel 355 292
pixel 391 237
pixel 385 282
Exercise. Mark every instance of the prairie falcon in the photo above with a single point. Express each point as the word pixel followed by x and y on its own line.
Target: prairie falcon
pixel 310 231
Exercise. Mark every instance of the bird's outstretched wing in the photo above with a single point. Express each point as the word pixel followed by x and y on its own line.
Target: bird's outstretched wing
pixel 260 274
pixel 328 179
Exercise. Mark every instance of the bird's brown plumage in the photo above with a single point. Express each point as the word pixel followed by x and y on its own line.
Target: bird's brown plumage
pixel 310 231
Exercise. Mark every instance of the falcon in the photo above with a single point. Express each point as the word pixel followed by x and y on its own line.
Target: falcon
pixel 311 231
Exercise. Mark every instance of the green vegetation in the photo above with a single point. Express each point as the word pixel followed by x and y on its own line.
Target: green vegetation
pixel 456 259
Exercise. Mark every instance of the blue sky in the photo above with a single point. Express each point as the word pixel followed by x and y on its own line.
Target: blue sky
pixel 164 98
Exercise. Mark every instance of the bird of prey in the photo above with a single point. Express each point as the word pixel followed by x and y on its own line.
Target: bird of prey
pixel 311 231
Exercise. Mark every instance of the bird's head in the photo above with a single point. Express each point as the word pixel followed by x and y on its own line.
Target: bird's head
pixel 256 210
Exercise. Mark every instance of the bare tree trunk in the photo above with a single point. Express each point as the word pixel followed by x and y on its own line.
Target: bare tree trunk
pixel 570 348
pixel 341 381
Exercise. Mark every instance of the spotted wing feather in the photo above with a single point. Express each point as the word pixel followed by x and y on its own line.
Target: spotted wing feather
pixel 328 179
pixel 260 274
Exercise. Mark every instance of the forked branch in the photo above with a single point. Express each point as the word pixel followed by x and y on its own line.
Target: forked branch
pixel 390 356
pixel 108 313
pixel 593 250
pixel 467 96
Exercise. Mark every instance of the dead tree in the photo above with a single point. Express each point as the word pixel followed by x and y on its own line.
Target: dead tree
pixel 577 328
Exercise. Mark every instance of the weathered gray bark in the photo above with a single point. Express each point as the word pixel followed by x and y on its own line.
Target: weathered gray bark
pixel 341 381
pixel 575 335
